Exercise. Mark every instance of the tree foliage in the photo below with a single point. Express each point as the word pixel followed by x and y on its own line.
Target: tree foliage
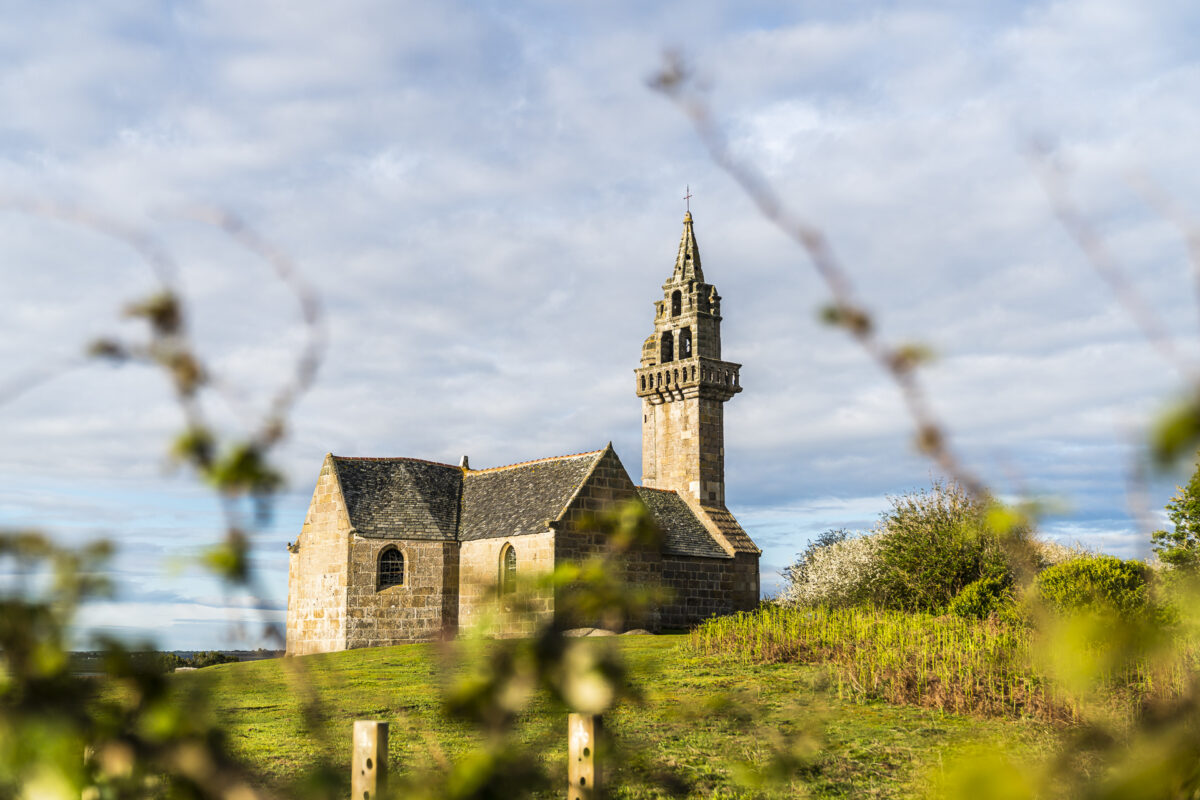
pixel 1180 548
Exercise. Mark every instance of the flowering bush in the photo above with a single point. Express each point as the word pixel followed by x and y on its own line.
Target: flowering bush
pixel 1050 554
pixel 841 571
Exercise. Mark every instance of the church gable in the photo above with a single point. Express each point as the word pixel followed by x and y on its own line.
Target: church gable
pixel 317 570
pixel 605 484
pixel 400 498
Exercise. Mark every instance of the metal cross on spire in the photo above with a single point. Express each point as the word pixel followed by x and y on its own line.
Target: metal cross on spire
pixel 687 198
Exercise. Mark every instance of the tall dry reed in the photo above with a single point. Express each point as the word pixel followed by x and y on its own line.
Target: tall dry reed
pixel 948 663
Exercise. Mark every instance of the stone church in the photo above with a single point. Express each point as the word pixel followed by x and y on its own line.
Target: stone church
pixel 399 549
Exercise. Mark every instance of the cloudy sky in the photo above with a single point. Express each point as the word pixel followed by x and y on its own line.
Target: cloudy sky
pixel 487 197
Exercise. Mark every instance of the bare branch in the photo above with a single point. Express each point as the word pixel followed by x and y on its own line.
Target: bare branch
pixel 27 381
pixel 1171 209
pixel 147 246
pixel 308 363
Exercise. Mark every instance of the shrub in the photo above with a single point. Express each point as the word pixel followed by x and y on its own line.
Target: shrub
pixel 991 595
pixel 835 570
pixel 1096 583
pixel 933 543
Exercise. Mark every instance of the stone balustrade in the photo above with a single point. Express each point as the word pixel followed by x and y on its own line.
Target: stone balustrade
pixel 719 379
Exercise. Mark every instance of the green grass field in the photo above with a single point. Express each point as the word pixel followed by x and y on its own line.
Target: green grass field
pixel 703 717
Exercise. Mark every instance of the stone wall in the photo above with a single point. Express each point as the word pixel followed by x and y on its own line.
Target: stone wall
pixel 423 607
pixel 317 575
pixel 479 568
pixel 699 588
pixel 705 587
pixel 607 486
pixel 746 582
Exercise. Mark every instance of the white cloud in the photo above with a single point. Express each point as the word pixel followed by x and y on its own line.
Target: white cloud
pixel 487 202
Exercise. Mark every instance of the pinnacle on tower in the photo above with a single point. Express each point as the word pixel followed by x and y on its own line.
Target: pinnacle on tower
pixel 684 383
pixel 687 263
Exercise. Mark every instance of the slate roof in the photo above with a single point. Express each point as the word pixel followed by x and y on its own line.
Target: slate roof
pixel 407 498
pixel 729 527
pixel 683 534
pixel 508 501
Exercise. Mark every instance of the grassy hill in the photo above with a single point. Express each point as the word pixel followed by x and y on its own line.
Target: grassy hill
pixel 701 716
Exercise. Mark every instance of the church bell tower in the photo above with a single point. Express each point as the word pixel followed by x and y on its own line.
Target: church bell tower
pixel 684 384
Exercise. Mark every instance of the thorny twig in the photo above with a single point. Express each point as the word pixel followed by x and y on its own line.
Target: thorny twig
pixel 1170 209
pixel 309 360
pixel 1097 254
pixel 1138 491
pixel 678 82
pixel 31 379
pixel 146 245
pixel 1102 261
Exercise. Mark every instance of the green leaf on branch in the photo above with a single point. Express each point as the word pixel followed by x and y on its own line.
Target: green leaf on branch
pixel 194 446
pixel 185 370
pixel 1004 520
pixel 163 311
pixel 852 319
pixel 1175 433
pixel 231 558
pixel 929 439
pixel 107 348
pixel 907 357
pixel 243 469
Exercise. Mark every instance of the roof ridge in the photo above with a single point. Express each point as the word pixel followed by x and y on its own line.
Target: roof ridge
pixel 392 458
pixel 656 489
pixel 534 461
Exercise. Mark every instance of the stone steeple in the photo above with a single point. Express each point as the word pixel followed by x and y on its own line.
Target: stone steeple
pixel 684 384
pixel 687 263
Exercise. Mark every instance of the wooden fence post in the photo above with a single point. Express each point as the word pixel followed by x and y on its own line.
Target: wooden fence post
pixel 584 777
pixel 368 776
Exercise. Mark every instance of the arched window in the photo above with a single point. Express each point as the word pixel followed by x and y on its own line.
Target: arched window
pixel 685 343
pixel 391 568
pixel 676 303
pixel 508 570
pixel 667 349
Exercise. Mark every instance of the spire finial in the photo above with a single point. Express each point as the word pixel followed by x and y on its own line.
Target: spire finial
pixel 687 198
